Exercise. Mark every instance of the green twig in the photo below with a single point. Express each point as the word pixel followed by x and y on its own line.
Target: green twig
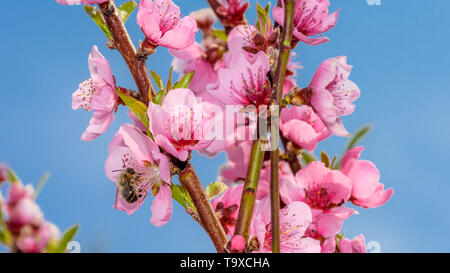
pixel 285 52
pixel 250 187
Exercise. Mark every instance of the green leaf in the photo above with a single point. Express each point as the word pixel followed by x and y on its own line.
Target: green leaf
pixel 159 97
pixel 12 176
pixel 137 107
pixel 220 34
pixel 180 195
pixel 41 184
pixel 157 80
pixel 126 10
pixel 185 81
pixel 307 157
pixel 263 18
pixel 97 17
pixel 325 159
pixel 332 161
pixel 215 189
pixel 358 136
pixel 68 236
pixel 5 235
pixel 169 85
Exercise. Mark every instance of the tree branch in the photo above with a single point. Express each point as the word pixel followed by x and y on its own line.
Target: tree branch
pixel 249 193
pixel 285 52
pixel 189 179
pixel 124 45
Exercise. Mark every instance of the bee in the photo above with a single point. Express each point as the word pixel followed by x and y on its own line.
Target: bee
pixel 126 185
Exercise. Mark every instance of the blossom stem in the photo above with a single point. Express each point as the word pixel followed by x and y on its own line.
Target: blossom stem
pixel 249 192
pixel 124 45
pixel 285 52
pixel 209 221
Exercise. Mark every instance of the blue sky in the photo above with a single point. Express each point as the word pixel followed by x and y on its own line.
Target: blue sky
pixel 400 55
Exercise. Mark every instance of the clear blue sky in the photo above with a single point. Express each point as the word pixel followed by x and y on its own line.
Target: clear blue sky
pixel 400 55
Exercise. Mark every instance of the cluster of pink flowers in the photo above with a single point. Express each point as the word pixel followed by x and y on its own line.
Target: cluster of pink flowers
pixel 23 220
pixel 316 196
pixel 237 71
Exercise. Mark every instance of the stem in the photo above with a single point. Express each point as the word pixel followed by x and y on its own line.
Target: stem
pixel 249 193
pixel 124 45
pixel 285 52
pixel 189 179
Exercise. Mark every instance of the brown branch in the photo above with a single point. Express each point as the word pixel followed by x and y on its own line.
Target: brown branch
pixel 124 45
pixel 189 179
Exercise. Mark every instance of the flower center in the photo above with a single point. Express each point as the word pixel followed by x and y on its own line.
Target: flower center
pixel 86 91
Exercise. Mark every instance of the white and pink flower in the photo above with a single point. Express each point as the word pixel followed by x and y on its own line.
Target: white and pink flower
pixel 333 93
pixel 97 94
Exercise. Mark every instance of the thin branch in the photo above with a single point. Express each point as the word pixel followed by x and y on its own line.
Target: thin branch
pixel 189 179
pixel 249 193
pixel 124 45
pixel 285 52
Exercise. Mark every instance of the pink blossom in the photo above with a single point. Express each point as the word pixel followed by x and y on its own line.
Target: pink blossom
pixel 35 240
pixel 226 207
pixel 324 191
pixel 97 94
pixel 367 191
pixel 311 18
pixel 240 36
pixel 24 212
pixel 357 245
pixel 318 186
pixel 21 208
pixel 161 22
pixel 181 123
pixel 294 220
pixel 131 150
pixel 303 127
pixel 333 93
pixel 79 2
pixel 244 80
